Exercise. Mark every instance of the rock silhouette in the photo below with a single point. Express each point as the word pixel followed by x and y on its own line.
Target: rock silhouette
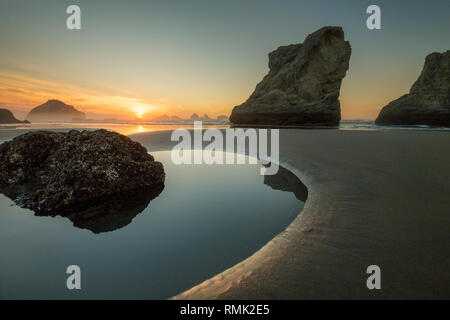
pixel 55 110
pixel 112 212
pixel 285 180
pixel 428 102
pixel 6 117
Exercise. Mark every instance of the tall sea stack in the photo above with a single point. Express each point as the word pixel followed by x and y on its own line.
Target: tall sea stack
pixel 303 84
pixel 428 101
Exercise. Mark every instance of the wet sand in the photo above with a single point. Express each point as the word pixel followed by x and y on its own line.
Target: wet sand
pixel 379 197
pixel 375 197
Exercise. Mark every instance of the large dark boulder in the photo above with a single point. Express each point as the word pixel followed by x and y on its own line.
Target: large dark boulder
pixel 428 102
pixel 55 110
pixel 303 84
pixel 53 172
pixel 6 117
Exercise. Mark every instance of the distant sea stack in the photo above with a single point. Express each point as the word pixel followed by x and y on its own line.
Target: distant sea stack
pixel 6 117
pixel 55 110
pixel 303 84
pixel 428 101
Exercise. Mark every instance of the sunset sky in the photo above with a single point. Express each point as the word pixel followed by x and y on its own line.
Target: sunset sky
pixel 180 57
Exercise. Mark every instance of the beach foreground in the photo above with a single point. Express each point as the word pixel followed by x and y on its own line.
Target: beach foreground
pixel 375 197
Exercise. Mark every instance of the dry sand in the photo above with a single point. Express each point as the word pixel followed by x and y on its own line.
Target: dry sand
pixel 379 197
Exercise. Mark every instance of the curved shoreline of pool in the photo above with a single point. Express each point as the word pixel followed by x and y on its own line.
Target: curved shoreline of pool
pixel 375 197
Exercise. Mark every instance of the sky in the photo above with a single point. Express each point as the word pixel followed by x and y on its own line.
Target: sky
pixel 204 56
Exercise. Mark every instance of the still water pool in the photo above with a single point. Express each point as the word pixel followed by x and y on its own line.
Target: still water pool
pixel 204 221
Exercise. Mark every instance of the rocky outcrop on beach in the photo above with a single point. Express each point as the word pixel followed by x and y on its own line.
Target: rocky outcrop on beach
pixel 55 110
pixel 303 84
pixel 6 117
pixel 428 101
pixel 54 172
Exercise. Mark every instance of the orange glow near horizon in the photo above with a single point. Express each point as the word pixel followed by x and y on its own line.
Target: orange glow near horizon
pixel 20 93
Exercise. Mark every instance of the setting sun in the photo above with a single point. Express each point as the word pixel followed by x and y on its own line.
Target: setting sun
pixel 141 110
